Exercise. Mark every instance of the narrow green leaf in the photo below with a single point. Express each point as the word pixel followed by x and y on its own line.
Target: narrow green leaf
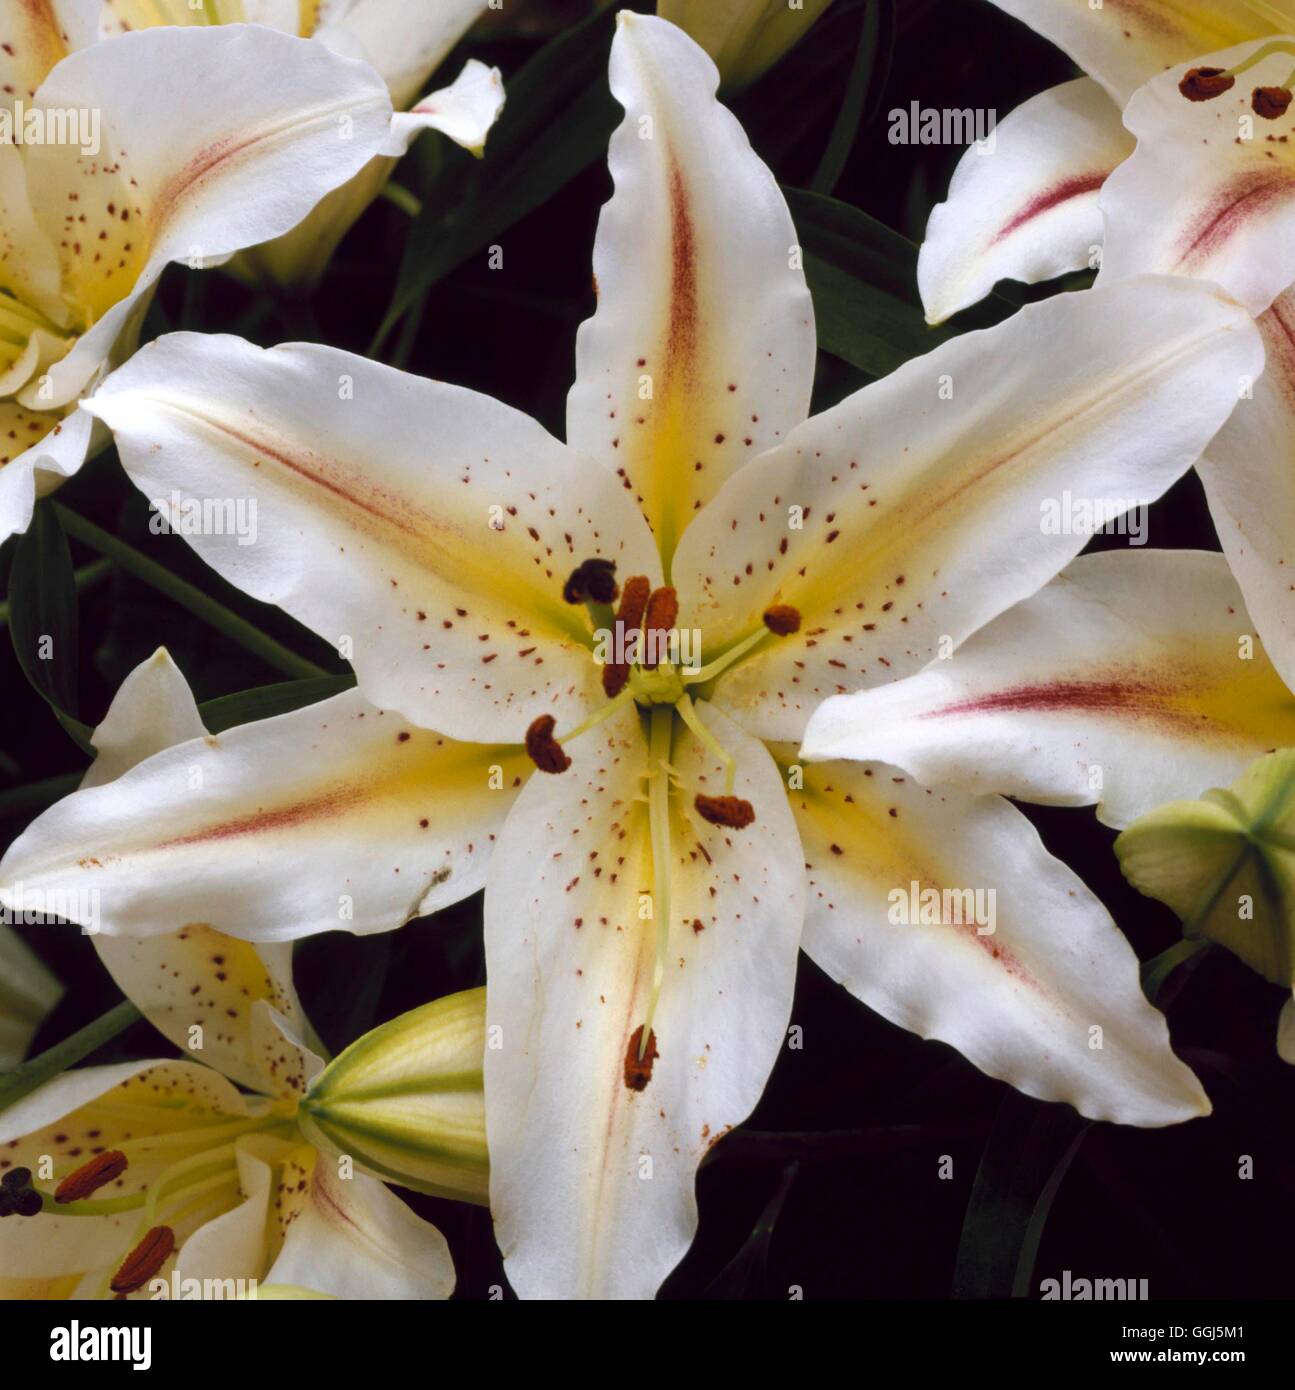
pixel 863 277
pixel 43 616
pixel 25 1079
pixel 188 596
pixel 875 40
pixel 557 121
pixel 266 701
pixel 1028 1150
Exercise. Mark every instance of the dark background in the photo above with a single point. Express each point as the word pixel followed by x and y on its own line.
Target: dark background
pixel 833 1186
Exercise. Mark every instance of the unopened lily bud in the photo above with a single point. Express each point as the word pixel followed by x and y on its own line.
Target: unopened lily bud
pixel 1223 865
pixel 405 1102
pixel 1270 102
pixel 744 37
pixel 1204 84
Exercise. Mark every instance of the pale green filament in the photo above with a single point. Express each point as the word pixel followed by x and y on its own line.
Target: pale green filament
pixel 1264 51
pixel 730 657
pixel 661 726
pixel 708 741
pixel 603 712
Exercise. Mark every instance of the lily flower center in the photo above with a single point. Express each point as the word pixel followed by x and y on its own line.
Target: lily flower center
pixel 201 1179
pixel 639 648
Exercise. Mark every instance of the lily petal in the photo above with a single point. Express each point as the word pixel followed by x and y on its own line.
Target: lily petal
pixel 1124 42
pixel 701 353
pixel 28 263
pixel 1024 208
pixel 352 1237
pixel 1131 680
pixel 570 961
pixel 405 42
pixel 236 135
pixel 1015 963
pixel 35 36
pixel 1251 490
pixel 1209 191
pixel 255 832
pixel 465 110
pixel 429 526
pixel 909 515
pixel 61 445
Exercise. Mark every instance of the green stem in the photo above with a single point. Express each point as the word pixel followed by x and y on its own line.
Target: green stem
pixel 401 198
pixel 188 596
pixel 26 1078
pixel 1156 971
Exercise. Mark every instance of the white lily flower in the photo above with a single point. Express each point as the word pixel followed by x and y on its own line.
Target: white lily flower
pixel 164 1170
pixel 1206 193
pixel 1029 210
pixel 201 142
pixel 28 991
pixel 1133 679
pixel 405 41
pixel 644 906
pixel 745 38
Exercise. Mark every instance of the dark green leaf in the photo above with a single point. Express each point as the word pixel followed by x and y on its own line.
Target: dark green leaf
pixel 1026 1155
pixel 863 277
pixel 557 120
pixel 266 701
pixel 42 616
pixel 867 77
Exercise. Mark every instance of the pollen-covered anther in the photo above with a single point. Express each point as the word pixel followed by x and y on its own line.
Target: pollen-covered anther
pixel 17 1196
pixel 782 619
pixel 662 614
pixel 545 751
pixel 144 1260
pixel 592 581
pixel 90 1177
pixel 629 618
pixel 731 811
pixel 1204 84
pixel 638 1070
pixel 1270 102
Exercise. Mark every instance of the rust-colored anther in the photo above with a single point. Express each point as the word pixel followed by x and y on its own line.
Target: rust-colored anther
pixel 629 618
pixel 638 1070
pixel 592 580
pixel 662 613
pixel 546 752
pixel 1204 84
pixel 90 1177
pixel 731 811
pixel 1270 102
pixel 144 1260
pixel 782 619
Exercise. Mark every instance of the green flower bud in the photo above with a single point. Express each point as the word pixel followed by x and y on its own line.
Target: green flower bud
pixel 1226 864
pixel 405 1101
